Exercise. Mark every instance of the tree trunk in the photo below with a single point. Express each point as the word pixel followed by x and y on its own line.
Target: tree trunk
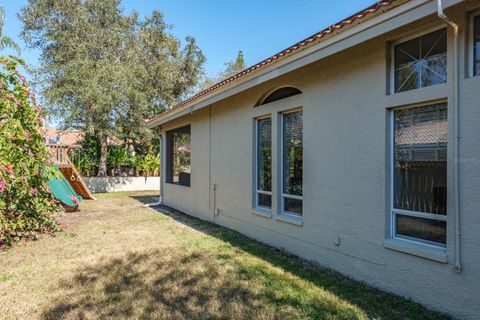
pixel 102 166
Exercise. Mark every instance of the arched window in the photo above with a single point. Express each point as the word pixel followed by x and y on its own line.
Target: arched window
pixel 278 94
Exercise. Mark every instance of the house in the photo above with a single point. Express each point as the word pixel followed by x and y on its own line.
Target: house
pixel 65 137
pixel 357 148
pixel 72 138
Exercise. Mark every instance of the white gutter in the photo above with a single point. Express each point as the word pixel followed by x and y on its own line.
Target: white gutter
pixel 160 197
pixel 456 103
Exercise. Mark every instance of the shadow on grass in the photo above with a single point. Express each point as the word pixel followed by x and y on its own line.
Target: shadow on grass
pixel 221 281
pixel 159 284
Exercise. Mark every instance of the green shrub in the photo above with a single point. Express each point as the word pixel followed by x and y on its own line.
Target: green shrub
pixel 86 158
pixel 26 204
pixel 147 165
pixel 117 157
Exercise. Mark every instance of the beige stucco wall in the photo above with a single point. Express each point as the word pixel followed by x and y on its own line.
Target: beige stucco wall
pixel 346 172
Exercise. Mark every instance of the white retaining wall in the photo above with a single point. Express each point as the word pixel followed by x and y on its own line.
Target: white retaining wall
pixel 115 184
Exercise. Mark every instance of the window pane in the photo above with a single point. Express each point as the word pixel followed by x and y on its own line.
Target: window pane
pixel 293 205
pixel 280 94
pixel 181 159
pixel 264 200
pixel 421 62
pixel 178 156
pixel 406 56
pixel 477 46
pixel 292 153
pixel 264 154
pixel 420 228
pixel 420 172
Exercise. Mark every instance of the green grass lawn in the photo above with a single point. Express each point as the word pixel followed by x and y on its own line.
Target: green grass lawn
pixel 120 260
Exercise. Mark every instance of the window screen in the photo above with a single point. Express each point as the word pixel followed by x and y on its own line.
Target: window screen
pixel 292 167
pixel 476 47
pixel 264 163
pixel 421 62
pixel 420 172
pixel 178 156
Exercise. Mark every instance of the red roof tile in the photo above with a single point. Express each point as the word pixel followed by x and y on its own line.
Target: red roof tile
pixel 430 132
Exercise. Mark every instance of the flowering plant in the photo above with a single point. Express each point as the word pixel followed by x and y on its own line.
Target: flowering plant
pixel 26 204
pixel 74 199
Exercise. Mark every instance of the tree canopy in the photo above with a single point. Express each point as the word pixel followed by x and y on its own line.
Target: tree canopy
pixel 231 68
pixel 105 70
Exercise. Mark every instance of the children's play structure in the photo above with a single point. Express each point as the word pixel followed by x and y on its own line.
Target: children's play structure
pixel 68 186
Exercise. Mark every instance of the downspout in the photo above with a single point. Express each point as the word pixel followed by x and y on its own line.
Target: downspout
pixel 456 103
pixel 160 197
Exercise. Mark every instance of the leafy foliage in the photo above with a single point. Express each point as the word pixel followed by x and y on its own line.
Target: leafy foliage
pixel 104 70
pixel 120 158
pixel 231 68
pixel 26 205
pixel 148 165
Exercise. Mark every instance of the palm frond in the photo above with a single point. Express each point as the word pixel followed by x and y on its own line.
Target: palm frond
pixel 7 42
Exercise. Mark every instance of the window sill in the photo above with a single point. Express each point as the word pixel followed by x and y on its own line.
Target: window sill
pixel 265 213
pixel 417 249
pixel 176 184
pixel 290 218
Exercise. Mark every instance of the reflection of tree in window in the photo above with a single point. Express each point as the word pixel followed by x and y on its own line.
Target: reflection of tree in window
pixel 421 62
pixel 420 173
pixel 264 162
pixel 181 156
pixel 293 149
pixel 476 48
pixel 178 156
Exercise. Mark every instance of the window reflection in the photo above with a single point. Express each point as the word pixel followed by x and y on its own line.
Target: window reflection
pixel 420 172
pixel 293 161
pixel 421 62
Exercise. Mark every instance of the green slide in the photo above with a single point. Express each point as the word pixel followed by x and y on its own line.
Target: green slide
pixel 62 191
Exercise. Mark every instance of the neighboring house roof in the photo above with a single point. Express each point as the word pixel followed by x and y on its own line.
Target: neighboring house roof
pixel 310 41
pixel 430 132
pixel 68 137
pixel 71 137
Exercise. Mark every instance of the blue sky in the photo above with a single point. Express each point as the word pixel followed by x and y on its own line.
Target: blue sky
pixel 258 27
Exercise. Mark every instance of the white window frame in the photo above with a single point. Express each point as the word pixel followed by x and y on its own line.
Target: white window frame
pixel 471 45
pixel 284 195
pixel 405 39
pixel 394 212
pixel 257 191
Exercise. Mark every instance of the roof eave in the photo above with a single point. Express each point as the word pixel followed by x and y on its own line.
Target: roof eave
pixel 370 28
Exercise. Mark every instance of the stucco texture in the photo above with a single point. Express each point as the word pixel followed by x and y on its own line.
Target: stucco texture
pixel 345 103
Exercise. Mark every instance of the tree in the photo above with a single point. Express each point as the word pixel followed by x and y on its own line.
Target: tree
pixel 234 67
pixel 105 71
pixel 231 68
pixel 26 205
pixel 160 75
pixel 6 42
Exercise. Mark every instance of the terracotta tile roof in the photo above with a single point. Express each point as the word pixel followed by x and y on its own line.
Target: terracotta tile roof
pixel 72 137
pixel 68 137
pixel 316 38
pixel 430 132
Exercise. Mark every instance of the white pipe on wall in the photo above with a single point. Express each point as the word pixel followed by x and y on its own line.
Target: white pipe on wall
pixel 456 103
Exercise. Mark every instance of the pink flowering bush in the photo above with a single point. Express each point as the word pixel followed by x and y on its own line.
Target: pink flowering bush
pixel 26 205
